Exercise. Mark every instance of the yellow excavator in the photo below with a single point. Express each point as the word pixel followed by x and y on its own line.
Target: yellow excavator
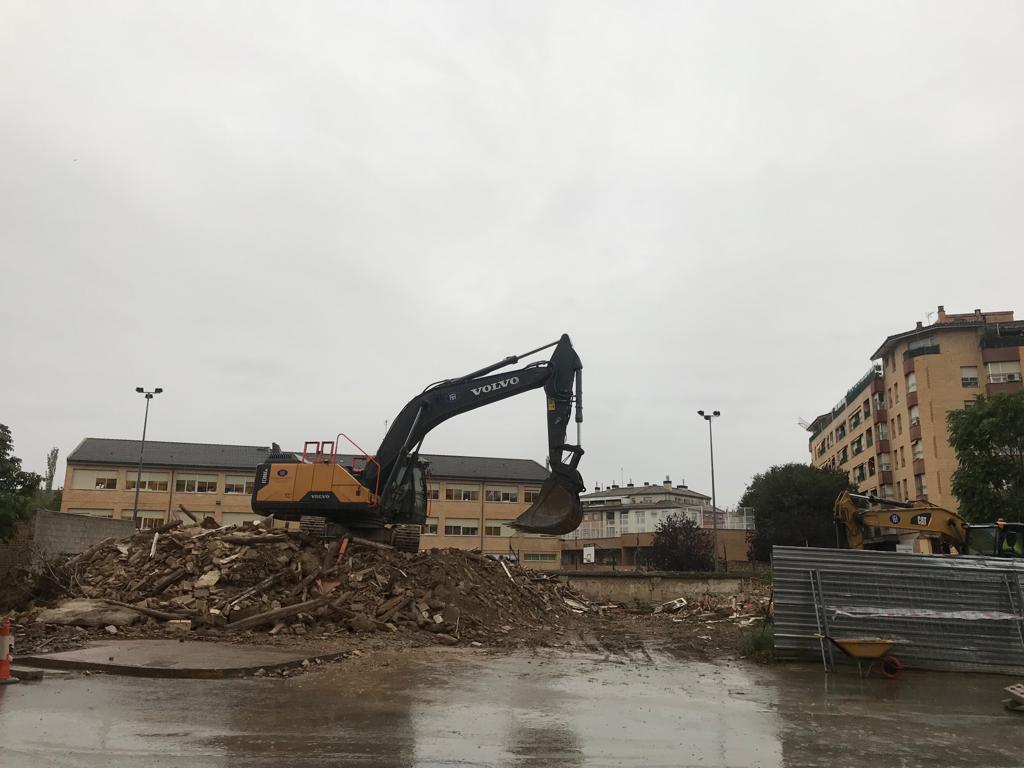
pixel 383 496
pixel 875 523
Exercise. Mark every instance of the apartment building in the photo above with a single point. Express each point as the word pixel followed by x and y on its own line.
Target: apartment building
pixel 619 523
pixel 472 498
pixel 889 430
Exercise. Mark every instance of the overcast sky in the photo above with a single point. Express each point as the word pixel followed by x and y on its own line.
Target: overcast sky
pixel 294 216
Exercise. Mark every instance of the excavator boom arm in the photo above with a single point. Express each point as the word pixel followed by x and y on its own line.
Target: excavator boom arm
pixel 905 517
pixel 561 379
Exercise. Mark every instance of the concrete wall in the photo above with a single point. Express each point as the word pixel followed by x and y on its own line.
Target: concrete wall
pixel 53 533
pixel 649 589
pixel 56 533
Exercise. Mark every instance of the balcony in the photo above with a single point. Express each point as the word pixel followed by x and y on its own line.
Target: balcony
pixel 915 432
pixel 885 476
pixel 878 386
pixel 881 415
pixel 911 398
pixel 910 354
pixel 1013 385
pixel 919 466
pixel 908 364
pixel 882 446
pixel 1000 354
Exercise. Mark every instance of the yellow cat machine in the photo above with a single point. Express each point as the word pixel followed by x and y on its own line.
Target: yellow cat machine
pixel 384 496
pixel 875 523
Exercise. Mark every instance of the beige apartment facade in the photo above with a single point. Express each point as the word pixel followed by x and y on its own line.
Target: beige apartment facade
pixel 472 498
pixel 889 432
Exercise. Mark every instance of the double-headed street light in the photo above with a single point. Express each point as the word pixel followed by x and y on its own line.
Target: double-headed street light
pixel 142 448
pixel 714 505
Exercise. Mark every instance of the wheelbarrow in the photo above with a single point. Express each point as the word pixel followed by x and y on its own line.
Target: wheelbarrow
pixel 870 651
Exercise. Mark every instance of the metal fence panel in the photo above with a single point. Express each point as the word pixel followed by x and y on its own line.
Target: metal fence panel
pixel 949 613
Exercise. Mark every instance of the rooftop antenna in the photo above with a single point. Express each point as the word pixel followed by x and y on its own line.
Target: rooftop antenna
pixel 622 476
pixel 803 423
pixel 928 317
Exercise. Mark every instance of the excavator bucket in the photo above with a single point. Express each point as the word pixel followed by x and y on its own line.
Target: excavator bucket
pixel 557 509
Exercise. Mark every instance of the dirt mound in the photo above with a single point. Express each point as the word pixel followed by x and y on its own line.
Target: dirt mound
pixel 237 580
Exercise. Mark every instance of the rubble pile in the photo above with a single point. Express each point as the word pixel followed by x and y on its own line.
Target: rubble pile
pixel 240 579
pixel 744 609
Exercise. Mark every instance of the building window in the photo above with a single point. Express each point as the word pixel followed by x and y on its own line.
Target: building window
pixel 928 341
pixel 498 528
pixel 430 526
pixel 1001 373
pixel 841 431
pixel 150 481
pixel 860 473
pixel 238 484
pixel 912 382
pixel 455 526
pixel 648 499
pixel 530 495
pixel 94 480
pixel 866 408
pixel 896 392
pixel 969 404
pixel 459 493
pixel 920 486
pixel 148 518
pixel 906 494
pixel 915 416
pixel 903 457
pixel 917 449
pixel 544 557
pixel 867 438
pixel 434 492
pixel 195 484
pixel 968 375
pixel 883 430
pixel 509 495
pixel 871 467
pixel 899 424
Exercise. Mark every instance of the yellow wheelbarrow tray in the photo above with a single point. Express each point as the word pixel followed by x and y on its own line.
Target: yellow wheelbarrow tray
pixel 873 649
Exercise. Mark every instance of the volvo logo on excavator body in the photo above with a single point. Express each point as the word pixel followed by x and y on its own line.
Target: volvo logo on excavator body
pixel 495 386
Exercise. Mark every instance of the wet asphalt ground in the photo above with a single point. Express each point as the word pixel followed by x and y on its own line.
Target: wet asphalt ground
pixel 458 708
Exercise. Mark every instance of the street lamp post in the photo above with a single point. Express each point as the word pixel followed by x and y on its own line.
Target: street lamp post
pixel 142 449
pixel 714 504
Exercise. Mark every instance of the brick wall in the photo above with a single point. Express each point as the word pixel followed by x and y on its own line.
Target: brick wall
pixel 54 533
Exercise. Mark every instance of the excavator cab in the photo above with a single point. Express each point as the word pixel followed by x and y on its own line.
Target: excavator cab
pixel 999 539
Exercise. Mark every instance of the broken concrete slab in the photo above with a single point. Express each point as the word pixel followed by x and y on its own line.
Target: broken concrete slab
pixel 82 612
pixel 175 658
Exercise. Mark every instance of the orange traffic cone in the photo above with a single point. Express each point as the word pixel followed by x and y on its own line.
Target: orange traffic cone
pixel 5 655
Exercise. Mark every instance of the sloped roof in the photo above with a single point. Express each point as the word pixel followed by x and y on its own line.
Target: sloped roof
pixel 102 450
pixel 640 490
pixel 99 450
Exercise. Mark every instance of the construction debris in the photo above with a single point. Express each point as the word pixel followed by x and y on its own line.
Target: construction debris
pixel 243 579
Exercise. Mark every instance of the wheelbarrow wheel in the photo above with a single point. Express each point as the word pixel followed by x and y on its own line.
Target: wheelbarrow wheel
pixel 890 667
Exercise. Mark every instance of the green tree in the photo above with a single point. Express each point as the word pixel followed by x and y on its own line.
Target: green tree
pixel 793 507
pixel 51 467
pixel 989 443
pixel 17 488
pixel 680 545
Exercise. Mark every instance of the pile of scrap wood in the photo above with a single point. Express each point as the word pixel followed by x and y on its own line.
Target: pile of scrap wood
pixel 238 579
pixel 743 609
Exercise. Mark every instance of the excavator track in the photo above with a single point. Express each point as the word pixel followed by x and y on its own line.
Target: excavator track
pixel 406 538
